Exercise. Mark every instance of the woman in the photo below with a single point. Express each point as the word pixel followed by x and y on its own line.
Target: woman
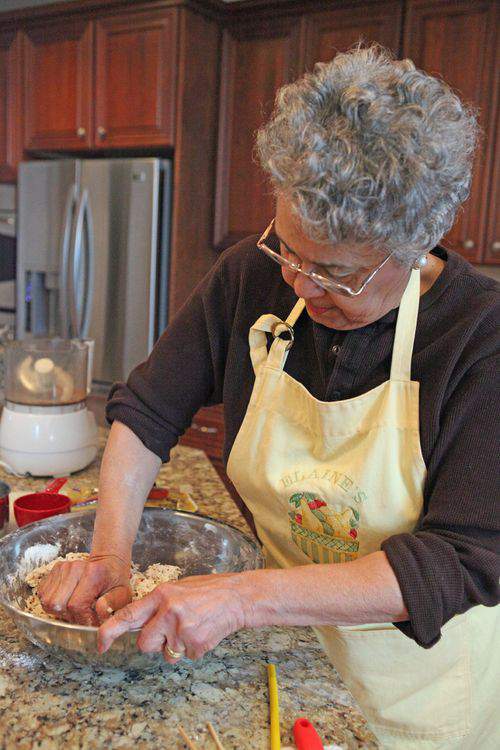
pixel 342 462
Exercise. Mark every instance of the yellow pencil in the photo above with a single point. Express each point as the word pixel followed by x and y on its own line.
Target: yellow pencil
pixel 274 709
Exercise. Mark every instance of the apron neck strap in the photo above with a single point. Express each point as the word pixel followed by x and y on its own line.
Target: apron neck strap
pixel 281 346
pixel 403 340
pixel 405 329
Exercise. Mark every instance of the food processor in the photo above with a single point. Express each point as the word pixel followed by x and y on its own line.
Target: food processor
pixel 46 428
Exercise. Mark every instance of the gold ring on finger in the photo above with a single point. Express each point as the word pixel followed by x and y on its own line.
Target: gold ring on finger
pixel 174 654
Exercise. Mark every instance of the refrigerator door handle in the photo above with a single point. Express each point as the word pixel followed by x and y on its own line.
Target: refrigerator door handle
pixel 65 259
pixel 89 266
pixel 83 223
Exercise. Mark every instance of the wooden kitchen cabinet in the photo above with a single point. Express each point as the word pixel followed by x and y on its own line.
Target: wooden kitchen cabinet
pixel 492 195
pixel 135 80
pixel 10 104
pixel 58 86
pixel 257 59
pixel 114 89
pixel 456 39
pixel 338 29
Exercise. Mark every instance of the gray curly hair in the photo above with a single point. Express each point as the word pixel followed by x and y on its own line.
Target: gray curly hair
pixel 371 150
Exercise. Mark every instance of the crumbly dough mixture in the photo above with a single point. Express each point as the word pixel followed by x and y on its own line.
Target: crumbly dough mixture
pixel 142 583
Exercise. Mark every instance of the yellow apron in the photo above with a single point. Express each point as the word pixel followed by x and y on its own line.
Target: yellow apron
pixel 328 482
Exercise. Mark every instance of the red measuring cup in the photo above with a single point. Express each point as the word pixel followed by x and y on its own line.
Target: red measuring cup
pixel 38 505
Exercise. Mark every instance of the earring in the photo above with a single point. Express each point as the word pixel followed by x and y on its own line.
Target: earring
pixel 420 262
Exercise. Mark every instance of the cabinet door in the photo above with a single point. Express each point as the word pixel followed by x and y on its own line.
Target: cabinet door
pixel 135 79
pixel 58 86
pixel 257 59
pixel 492 197
pixel 455 39
pixel 10 110
pixel 335 30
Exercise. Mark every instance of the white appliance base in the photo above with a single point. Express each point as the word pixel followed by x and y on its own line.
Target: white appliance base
pixel 47 444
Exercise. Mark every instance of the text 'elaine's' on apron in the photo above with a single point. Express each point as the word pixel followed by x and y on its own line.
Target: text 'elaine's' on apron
pixel 327 482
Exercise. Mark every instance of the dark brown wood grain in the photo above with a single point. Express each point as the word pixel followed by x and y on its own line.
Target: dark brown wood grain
pixel 135 79
pixel 58 86
pixel 338 29
pixel 10 104
pixel 492 159
pixel 455 39
pixel 257 59
pixel 158 86
pixel 89 9
pixel 194 157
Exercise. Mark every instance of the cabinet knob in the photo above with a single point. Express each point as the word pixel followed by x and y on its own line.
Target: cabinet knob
pixel 204 428
pixel 81 132
pixel 469 244
pixel 101 132
pixel 495 246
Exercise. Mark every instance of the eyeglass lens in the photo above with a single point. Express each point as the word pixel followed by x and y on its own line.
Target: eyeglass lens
pixel 350 277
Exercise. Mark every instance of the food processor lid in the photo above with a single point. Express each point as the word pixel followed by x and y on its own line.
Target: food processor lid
pixel 45 345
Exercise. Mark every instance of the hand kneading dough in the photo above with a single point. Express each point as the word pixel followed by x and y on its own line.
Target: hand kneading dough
pixel 142 583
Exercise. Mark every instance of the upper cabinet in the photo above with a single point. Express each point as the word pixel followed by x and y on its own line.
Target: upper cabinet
pixel 103 84
pixel 336 30
pixel 135 62
pixel 10 104
pixel 456 39
pixel 492 242
pixel 103 75
pixel 58 86
pixel 257 59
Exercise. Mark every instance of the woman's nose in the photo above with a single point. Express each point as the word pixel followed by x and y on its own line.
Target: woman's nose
pixel 304 286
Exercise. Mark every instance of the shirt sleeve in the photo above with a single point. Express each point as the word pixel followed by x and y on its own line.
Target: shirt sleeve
pixel 184 371
pixel 452 562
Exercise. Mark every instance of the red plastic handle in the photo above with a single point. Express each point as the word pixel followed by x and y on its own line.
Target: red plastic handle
pixel 305 736
pixel 55 485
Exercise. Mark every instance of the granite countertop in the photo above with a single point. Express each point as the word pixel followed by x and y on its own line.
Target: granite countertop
pixel 50 703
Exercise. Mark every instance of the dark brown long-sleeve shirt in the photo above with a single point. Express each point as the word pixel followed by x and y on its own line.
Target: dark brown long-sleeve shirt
pixel 452 561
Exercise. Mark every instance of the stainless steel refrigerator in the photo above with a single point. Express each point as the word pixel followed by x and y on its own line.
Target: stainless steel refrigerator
pixel 93 255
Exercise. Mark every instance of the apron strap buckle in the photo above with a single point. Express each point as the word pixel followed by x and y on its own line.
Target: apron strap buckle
pixel 282 327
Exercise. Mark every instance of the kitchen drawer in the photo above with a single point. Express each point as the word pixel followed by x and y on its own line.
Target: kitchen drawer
pixel 207 432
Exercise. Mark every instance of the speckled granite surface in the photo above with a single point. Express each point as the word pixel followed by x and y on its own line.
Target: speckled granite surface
pixel 49 703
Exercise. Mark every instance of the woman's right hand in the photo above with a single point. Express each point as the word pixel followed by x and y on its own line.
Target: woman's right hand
pixel 86 592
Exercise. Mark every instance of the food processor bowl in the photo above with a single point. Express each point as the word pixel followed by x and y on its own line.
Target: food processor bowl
pixel 46 372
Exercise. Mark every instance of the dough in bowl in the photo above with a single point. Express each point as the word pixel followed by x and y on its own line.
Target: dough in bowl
pixel 142 583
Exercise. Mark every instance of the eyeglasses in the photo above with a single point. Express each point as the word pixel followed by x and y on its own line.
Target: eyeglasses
pixel 350 283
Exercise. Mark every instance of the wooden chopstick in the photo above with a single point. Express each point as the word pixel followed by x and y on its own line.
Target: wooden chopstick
pixel 186 739
pixel 215 736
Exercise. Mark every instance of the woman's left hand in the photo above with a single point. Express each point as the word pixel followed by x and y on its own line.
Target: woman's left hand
pixel 191 616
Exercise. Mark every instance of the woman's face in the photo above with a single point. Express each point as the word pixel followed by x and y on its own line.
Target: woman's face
pixel 382 294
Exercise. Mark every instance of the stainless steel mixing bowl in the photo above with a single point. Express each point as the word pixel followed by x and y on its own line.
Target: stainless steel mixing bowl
pixel 197 544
